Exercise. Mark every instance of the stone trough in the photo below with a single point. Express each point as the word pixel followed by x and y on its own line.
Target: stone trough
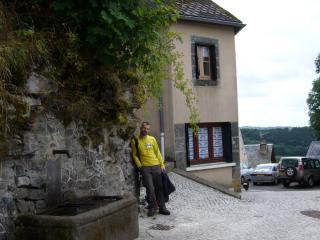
pixel 96 218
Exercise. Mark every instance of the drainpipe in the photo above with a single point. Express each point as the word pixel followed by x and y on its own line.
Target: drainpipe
pixel 161 127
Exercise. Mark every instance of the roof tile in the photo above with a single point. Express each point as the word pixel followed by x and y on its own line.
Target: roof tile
pixel 206 9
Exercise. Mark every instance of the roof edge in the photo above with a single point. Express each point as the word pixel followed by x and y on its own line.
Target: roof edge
pixel 237 25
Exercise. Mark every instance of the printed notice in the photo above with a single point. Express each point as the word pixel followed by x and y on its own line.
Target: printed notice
pixel 203 143
pixel 217 142
pixel 190 144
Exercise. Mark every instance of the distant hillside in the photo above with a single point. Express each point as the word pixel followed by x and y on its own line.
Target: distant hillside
pixel 288 141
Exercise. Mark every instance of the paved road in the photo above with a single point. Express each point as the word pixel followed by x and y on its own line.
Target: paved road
pixel 202 213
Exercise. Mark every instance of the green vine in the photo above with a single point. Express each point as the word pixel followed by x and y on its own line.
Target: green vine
pixel 94 51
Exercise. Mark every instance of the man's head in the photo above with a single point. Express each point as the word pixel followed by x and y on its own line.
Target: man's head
pixel 144 129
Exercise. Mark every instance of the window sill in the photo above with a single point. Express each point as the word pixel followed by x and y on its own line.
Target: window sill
pixel 210 166
pixel 205 82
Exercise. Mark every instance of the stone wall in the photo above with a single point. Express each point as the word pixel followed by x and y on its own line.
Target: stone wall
pixel 47 165
pixel 36 178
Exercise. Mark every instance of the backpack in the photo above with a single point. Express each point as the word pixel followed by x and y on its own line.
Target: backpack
pixel 136 143
pixel 137 170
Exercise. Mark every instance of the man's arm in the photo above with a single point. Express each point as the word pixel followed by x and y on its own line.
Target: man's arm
pixel 158 154
pixel 134 154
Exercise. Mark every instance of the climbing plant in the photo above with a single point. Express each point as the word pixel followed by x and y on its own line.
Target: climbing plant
pixel 96 52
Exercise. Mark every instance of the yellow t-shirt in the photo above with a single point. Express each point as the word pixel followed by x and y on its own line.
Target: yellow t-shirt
pixel 149 152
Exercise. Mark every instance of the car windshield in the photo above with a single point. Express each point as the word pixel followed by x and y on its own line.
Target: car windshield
pixel 243 166
pixel 289 162
pixel 264 167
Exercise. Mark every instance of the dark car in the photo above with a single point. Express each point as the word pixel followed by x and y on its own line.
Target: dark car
pixel 302 170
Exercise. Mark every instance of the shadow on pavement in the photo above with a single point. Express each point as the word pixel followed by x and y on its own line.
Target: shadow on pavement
pixel 280 187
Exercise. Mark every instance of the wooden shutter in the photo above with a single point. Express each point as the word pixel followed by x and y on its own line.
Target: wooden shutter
pixel 196 61
pixel 213 62
pixel 227 143
pixel 188 146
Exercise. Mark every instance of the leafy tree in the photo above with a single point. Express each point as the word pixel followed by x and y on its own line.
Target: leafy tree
pixel 97 51
pixel 314 101
pixel 293 141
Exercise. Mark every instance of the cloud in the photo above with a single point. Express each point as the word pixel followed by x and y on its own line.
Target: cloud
pixel 275 59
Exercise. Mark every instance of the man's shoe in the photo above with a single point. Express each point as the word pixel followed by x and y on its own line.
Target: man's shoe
pixel 164 211
pixel 151 212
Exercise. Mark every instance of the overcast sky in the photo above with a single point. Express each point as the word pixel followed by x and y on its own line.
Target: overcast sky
pixel 275 59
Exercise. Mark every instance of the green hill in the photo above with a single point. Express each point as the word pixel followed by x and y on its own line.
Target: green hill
pixel 288 141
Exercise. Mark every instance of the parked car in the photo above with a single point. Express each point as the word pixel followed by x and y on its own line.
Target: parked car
pixel 245 172
pixel 302 170
pixel 267 172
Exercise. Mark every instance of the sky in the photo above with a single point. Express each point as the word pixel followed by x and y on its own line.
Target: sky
pixel 275 59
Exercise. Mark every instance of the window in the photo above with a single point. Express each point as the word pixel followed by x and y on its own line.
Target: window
pixel 205 64
pixel 211 144
pixel 311 164
pixel 317 163
pixel 305 164
pixel 204 61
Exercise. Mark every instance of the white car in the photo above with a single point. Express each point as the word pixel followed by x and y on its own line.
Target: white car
pixel 267 172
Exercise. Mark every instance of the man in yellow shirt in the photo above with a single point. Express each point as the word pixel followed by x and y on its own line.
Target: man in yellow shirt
pixel 149 160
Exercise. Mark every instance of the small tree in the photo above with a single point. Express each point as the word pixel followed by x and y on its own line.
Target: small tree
pixel 314 101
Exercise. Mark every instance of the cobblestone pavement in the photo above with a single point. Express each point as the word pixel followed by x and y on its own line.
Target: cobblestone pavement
pixel 202 213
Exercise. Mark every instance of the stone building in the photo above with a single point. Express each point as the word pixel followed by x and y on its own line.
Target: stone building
pixel 314 150
pixel 260 153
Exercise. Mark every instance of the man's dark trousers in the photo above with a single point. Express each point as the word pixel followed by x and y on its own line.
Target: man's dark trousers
pixel 152 180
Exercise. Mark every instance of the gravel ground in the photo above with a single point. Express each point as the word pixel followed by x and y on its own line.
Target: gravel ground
pixel 202 213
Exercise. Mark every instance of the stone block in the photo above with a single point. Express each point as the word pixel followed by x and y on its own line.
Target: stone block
pixel 40 204
pixel 2 229
pixel 70 184
pixel 20 193
pixel 3 185
pixel 114 221
pixel 22 206
pixel 37 194
pixel 19 170
pixel 181 161
pixel 180 144
pixel 83 184
pixel 37 182
pixel 25 206
pixel 38 167
pixel 22 181
pixel 7 172
pixel 235 144
pixel 179 130
pixel 38 84
pixel 235 129
pixel 95 182
pixel 116 144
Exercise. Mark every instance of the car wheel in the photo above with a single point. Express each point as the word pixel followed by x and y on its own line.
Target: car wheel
pixel 286 184
pixel 310 182
pixel 242 179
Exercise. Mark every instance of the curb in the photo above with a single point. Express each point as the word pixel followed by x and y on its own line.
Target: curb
pixel 207 183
